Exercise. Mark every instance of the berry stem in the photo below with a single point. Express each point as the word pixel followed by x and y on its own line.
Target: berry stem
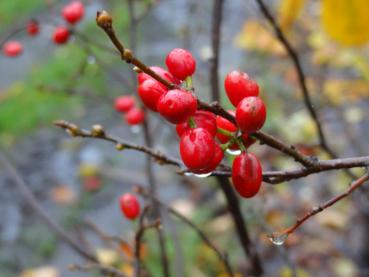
pixel 188 83
pixel 191 122
pixel 225 132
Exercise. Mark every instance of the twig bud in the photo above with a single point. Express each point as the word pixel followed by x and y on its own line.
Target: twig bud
pixel 137 70
pixel 119 146
pixel 97 131
pixel 127 55
pixel 104 19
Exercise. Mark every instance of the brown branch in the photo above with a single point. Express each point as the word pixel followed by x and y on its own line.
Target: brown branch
pixel 315 210
pixel 106 270
pixel 300 73
pixel 34 204
pixel 223 257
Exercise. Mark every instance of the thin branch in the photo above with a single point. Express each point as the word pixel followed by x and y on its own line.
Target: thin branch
pixel 300 73
pixel 35 205
pixel 315 210
pixel 106 270
pixel 202 235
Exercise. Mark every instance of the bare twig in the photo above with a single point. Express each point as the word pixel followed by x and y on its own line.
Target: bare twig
pixel 192 225
pixel 315 210
pixel 106 270
pixel 34 204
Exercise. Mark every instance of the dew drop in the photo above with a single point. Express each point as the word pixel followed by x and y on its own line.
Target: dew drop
pixel 278 239
pixel 203 175
pixel 91 60
pixel 135 129
pixel 188 173
pixel 233 152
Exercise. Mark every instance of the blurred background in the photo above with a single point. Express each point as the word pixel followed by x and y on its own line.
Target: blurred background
pixel 78 179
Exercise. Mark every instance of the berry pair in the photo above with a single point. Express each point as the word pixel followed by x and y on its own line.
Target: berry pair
pixel 132 115
pixel 175 105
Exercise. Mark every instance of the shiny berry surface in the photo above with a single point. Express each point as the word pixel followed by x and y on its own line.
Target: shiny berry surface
pixel 129 206
pixel 73 12
pixel 203 119
pixel 246 174
pixel 12 49
pixel 250 114
pixel 124 103
pixel 177 105
pixel 32 28
pixel 197 148
pixel 150 92
pixel 142 77
pixel 215 161
pixel 134 116
pixel 238 85
pixel 180 63
pixel 61 35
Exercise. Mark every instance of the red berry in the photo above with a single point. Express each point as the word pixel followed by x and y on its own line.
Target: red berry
pixel 73 12
pixel 129 205
pixel 197 148
pixel 247 140
pixel 203 119
pixel 124 103
pixel 181 63
pixel 134 116
pixel 177 105
pixel 150 92
pixel 217 158
pixel 246 174
pixel 61 35
pixel 238 85
pixel 142 77
pixel 33 28
pixel 250 114
pixel 225 124
pixel 12 48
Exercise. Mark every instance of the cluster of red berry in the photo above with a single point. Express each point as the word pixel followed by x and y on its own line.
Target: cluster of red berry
pixel 72 13
pixel 133 115
pixel 204 136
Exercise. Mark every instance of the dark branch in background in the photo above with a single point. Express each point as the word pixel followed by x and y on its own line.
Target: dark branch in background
pixel 315 210
pixel 33 203
pixel 133 22
pixel 202 235
pixel 300 73
pixel 231 198
pixel 215 42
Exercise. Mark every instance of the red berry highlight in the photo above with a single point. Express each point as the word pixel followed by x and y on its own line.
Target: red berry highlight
pixel 73 12
pixel 197 148
pixel 177 105
pixel 180 63
pixel 238 85
pixel 250 114
pixel 124 103
pixel 61 35
pixel 150 92
pixel 33 28
pixel 12 49
pixel 142 77
pixel 202 119
pixel 134 116
pixel 129 206
pixel 215 161
pixel 246 174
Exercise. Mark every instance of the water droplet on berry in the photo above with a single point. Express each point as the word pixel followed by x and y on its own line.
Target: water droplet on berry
pixel 91 60
pixel 233 152
pixel 203 175
pixel 188 173
pixel 135 129
pixel 278 239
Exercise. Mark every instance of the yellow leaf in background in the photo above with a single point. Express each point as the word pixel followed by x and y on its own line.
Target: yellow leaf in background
pixel 255 36
pixel 63 195
pixel 289 11
pixel 340 91
pixel 346 21
pixel 43 271
pixel 287 272
pixel 87 170
pixel 106 256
